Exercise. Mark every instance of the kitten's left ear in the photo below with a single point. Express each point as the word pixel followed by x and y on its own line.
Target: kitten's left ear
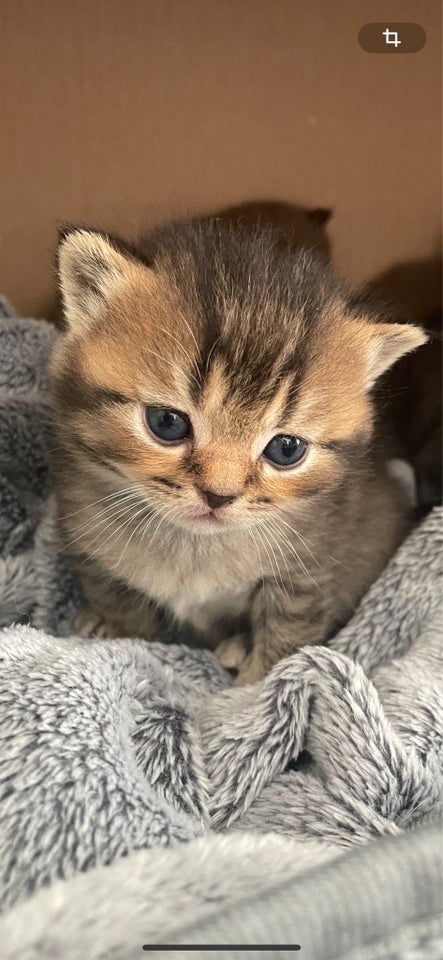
pixel 91 269
pixel 387 343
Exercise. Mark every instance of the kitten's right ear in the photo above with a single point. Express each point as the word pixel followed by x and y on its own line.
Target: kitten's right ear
pixel 90 270
pixel 387 343
pixel 320 216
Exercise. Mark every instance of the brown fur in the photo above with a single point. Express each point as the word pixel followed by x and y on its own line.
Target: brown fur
pixel 249 341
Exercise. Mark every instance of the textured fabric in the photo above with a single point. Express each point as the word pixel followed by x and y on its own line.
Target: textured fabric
pixel 34 582
pixel 109 747
pixel 379 902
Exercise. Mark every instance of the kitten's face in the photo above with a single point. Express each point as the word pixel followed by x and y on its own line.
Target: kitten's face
pixel 223 380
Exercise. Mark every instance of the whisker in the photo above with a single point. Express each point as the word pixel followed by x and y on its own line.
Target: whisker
pixel 268 541
pixel 111 506
pixel 250 531
pixel 305 543
pixel 170 512
pixel 275 540
pixel 293 551
pixel 302 539
pixel 297 533
pixel 263 543
pixel 96 522
pixel 105 520
pixel 143 511
pixel 95 503
pixel 113 533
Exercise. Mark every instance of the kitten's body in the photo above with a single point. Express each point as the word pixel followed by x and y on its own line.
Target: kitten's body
pixel 250 344
pixel 224 586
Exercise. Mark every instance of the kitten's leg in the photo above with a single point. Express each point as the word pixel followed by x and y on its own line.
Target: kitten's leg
pixel 90 624
pixel 231 653
pixel 281 623
pixel 114 610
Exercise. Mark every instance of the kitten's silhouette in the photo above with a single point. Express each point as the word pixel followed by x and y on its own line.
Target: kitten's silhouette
pixel 298 226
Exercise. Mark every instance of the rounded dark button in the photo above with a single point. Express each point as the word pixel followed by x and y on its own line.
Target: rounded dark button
pixel 392 37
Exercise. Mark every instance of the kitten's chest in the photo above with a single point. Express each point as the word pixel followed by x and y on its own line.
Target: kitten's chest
pixel 198 586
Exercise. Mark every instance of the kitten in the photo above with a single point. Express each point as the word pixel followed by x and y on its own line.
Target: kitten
pixel 215 460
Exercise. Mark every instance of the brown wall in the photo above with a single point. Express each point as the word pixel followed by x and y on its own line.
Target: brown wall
pixel 123 112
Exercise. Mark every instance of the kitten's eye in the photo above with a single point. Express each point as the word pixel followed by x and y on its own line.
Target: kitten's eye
pixel 285 451
pixel 167 425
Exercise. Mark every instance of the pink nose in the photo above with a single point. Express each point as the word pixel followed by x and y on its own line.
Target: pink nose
pixel 215 500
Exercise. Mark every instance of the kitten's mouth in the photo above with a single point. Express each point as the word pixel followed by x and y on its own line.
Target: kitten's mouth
pixel 201 519
pixel 209 519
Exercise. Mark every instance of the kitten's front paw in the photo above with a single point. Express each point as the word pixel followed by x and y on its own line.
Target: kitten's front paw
pixel 252 670
pixel 90 624
pixel 231 653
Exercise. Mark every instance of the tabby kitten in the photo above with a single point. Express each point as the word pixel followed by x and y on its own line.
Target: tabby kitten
pixel 215 458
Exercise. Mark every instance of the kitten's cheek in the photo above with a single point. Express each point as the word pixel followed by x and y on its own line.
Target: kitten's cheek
pixel 290 482
pixel 314 476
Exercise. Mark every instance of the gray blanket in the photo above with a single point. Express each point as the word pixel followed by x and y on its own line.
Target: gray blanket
pixel 143 800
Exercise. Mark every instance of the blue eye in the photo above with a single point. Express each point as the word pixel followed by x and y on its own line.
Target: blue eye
pixel 285 451
pixel 167 425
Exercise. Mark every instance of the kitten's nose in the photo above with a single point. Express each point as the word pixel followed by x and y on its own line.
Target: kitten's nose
pixel 215 499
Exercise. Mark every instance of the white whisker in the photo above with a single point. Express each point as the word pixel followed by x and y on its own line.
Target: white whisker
pixel 129 508
pixel 293 551
pixel 94 503
pixel 173 511
pixel 273 535
pixel 91 525
pixel 268 541
pixel 139 524
pixel 302 539
pixel 263 543
pixel 250 531
pixel 114 533
pixel 129 497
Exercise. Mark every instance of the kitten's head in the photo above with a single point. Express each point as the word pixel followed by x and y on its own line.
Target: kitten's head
pixel 220 376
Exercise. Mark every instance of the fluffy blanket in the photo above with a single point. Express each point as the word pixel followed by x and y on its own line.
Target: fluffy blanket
pixel 145 801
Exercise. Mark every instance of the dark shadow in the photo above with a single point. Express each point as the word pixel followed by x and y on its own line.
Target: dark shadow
pixel 415 284
pixel 298 226
pixel 412 390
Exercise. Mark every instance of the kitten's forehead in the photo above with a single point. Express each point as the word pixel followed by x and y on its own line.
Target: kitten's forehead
pixel 253 312
pixel 238 411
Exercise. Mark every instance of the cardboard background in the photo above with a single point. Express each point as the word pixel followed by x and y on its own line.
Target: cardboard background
pixel 123 112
